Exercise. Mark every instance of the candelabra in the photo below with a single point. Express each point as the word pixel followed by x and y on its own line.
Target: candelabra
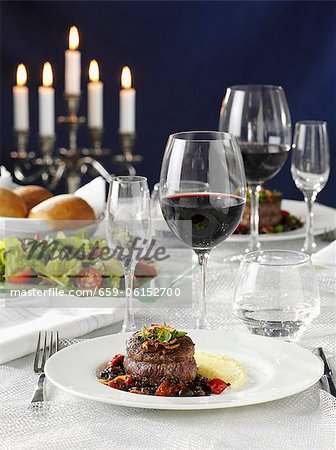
pixel 70 162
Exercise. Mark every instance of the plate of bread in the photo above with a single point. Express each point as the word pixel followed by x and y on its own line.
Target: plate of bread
pixel 28 210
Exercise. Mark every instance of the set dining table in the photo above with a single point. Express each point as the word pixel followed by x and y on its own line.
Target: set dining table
pixel 90 357
pixel 63 421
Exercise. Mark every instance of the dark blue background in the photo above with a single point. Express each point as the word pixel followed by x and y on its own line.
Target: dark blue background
pixel 183 56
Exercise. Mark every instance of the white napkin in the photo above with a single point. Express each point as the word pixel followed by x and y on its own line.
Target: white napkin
pixel 326 257
pixel 6 180
pixel 94 193
pixel 19 327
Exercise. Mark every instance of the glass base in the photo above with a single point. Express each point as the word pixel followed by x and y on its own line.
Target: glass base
pixel 202 324
pixel 128 327
pixel 288 331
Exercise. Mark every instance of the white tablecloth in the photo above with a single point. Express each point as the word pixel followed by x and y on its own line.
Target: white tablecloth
pixel 304 421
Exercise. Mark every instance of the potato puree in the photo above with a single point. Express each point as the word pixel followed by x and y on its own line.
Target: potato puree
pixel 212 365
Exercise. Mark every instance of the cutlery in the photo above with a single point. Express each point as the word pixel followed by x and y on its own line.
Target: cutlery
pixel 41 355
pixel 329 235
pixel 326 380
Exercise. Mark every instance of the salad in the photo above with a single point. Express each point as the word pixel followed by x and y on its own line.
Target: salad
pixel 63 261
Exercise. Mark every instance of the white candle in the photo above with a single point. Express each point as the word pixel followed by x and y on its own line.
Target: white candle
pixel 95 97
pixel 126 103
pixel 73 64
pixel 20 100
pixel 46 94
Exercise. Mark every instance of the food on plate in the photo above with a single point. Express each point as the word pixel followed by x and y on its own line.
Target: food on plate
pixel 160 360
pixel 68 262
pixel 160 352
pixel 11 205
pixel 33 195
pixel 269 208
pixel 37 202
pixel 62 207
pixel 272 219
pixel 212 365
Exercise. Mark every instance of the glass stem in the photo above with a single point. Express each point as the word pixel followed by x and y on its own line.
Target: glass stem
pixel 254 218
pixel 309 245
pixel 202 322
pixel 129 323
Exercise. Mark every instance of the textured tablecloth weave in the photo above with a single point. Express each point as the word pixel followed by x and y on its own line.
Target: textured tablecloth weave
pixel 304 421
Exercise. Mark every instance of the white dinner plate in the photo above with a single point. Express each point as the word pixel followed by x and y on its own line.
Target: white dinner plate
pixel 275 369
pixel 324 219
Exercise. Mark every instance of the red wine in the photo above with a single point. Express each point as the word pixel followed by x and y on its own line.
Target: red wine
pixel 262 161
pixel 202 220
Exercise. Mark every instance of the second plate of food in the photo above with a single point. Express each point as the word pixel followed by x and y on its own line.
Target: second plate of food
pixel 261 369
pixel 325 218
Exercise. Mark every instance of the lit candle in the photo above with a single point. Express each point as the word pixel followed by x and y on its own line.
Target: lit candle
pixel 73 64
pixel 46 94
pixel 126 103
pixel 95 97
pixel 20 100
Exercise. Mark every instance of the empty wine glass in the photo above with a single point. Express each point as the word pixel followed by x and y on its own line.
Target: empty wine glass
pixel 258 116
pixel 276 293
pixel 128 230
pixel 202 194
pixel 310 169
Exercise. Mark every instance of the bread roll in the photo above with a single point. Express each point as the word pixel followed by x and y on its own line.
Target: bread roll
pixel 63 207
pixel 33 195
pixel 11 205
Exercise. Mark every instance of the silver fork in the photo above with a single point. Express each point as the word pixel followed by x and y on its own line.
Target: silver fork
pixel 43 354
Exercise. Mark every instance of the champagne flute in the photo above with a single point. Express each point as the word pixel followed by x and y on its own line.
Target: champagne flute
pixel 310 168
pixel 202 194
pixel 128 230
pixel 258 116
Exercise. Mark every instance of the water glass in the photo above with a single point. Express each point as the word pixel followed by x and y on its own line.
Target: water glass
pixel 276 293
pixel 128 230
pixel 310 169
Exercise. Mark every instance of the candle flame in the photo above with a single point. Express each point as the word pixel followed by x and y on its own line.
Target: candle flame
pixel 94 71
pixel 47 75
pixel 21 75
pixel 126 78
pixel 73 38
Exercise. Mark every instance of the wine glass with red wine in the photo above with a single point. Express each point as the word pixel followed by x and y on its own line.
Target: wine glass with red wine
pixel 259 117
pixel 202 194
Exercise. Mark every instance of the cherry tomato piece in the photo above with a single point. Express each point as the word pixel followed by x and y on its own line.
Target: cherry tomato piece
pixel 122 382
pixel 216 385
pixel 22 276
pixel 240 227
pixel 117 360
pixel 167 389
pixel 144 270
pixel 89 278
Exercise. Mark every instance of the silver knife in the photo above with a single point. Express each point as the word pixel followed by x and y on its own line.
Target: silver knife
pixel 327 377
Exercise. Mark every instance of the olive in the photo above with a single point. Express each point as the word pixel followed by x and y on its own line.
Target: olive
pixel 206 388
